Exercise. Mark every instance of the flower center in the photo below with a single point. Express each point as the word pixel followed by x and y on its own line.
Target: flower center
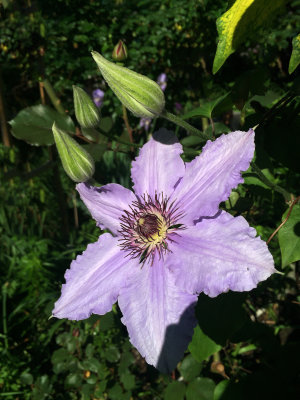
pixel 148 227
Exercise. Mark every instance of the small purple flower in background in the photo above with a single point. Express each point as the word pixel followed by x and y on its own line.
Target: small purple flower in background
pixel 98 96
pixel 170 241
pixel 162 81
pixel 145 123
pixel 178 107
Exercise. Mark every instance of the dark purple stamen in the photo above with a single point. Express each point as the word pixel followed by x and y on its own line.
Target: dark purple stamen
pixel 148 226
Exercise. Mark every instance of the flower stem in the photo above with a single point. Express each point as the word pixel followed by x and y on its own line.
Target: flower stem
pixel 185 125
pixel 287 196
pixel 54 99
pixel 295 201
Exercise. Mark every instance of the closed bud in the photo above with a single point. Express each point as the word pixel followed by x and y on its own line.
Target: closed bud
pixel 120 51
pixel 142 96
pixel 87 114
pixel 77 163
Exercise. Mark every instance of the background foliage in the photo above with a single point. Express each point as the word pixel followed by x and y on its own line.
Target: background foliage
pixel 245 345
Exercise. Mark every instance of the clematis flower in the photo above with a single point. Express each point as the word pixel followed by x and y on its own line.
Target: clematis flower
pixel 98 96
pixel 169 241
pixel 162 81
pixel 145 123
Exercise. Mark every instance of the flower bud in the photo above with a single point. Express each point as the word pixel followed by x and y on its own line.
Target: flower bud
pixel 87 114
pixel 120 51
pixel 77 163
pixel 142 96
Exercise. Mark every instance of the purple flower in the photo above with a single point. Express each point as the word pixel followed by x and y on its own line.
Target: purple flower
pixel 145 123
pixel 162 81
pixel 178 107
pixel 98 96
pixel 169 242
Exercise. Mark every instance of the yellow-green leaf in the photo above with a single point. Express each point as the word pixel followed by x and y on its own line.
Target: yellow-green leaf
pixel 239 23
pixel 295 57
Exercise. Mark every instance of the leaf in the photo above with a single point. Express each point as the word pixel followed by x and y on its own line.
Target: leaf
pixel 192 140
pixel 175 391
pixel 112 354
pixel 128 380
pixel 95 150
pixel 211 108
pixel 26 378
pixel 73 380
pixel 202 346
pixel 220 389
pixel 34 125
pixel 289 237
pixel 106 124
pixel 189 368
pixel 295 56
pixel 219 129
pixel 239 23
pixel 200 389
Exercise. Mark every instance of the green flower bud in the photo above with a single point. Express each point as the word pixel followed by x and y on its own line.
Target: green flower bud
pixel 142 96
pixel 87 114
pixel 77 163
pixel 120 51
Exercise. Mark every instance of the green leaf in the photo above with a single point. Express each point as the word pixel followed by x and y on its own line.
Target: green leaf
pixel 200 389
pixel 89 351
pixel 128 380
pixel 189 368
pixel 26 378
pixel 112 354
pixel 192 140
pixel 34 125
pixel 73 380
pixel 202 346
pixel 106 124
pixel 175 391
pixel 60 355
pixel 295 56
pixel 211 108
pixel 239 23
pixel 95 150
pixel 220 389
pixel 126 360
pixel 289 237
pixel 219 129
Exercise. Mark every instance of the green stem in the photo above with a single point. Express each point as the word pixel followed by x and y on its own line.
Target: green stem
pixel 178 121
pixel 287 196
pixel 4 320
pixel 54 99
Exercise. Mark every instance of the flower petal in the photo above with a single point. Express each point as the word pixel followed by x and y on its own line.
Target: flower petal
pixel 211 176
pixel 106 203
pixel 159 316
pixel 220 254
pixel 159 166
pixel 94 280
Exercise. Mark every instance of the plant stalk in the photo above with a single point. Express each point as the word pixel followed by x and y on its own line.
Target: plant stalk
pixel 287 196
pixel 185 125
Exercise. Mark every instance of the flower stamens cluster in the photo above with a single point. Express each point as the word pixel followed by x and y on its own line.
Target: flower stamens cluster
pixel 148 226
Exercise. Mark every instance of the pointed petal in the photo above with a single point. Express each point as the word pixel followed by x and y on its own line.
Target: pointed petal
pixel 210 178
pixel 106 203
pixel 159 316
pixel 94 280
pixel 220 254
pixel 159 165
